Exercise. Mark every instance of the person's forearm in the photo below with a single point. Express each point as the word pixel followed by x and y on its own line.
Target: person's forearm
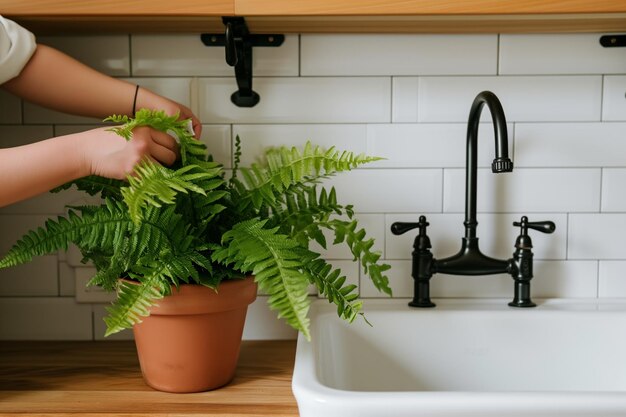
pixel 55 80
pixel 32 169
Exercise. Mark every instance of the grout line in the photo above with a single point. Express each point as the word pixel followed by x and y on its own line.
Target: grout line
pixel 567 236
pixel 130 56
pixel 443 189
pixel 498 56
pixel 391 100
pixel 602 98
pixel 299 55
pixel 513 143
pixel 601 188
pixel 194 96
pixel 598 278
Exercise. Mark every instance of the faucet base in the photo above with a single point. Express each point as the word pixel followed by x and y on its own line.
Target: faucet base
pixel 422 304
pixel 522 303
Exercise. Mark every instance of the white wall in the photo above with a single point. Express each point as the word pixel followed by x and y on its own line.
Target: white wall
pixel 404 97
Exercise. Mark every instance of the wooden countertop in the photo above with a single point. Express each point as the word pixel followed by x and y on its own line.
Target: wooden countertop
pixel 319 16
pixel 90 379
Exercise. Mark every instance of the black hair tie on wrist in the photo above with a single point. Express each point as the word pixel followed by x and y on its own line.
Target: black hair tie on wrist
pixel 135 99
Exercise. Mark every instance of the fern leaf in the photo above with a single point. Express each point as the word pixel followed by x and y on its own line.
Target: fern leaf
pixel 330 283
pixel 101 229
pixel 288 167
pixel 347 232
pixel 274 260
pixel 133 302
pixel 155 185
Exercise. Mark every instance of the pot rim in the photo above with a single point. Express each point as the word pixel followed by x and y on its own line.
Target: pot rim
pixel 189 299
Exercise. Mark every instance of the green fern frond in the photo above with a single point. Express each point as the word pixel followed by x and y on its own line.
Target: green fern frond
pixel 274 260
pixel 157 119
pixel 102 229
pixel 300 211
pixel 348 232
pixel 156 185
pixel 330 283
pixel 133 303
pixel 287 167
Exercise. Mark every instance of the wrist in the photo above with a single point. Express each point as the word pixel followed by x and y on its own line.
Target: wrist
pixel 147 99
pixel 86 146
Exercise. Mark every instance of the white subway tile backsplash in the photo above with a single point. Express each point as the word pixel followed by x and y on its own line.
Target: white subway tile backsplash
pixel 614 98
pixel 390 190
pixel 558 54
pixel 570 145
pixel 51 203
pixel 495 231
pixel 17 135
pixel 428 145
pixel 67 280
pixel 404 99
pixel 387 54
pixel 263 323
pixel 613 192
pixel 596 236
pixel 34 114
pixel 524 98
pixel 62 130
pixel 44 318
pixel 400 282
pixel 99 326
pixel 152 56
pixel 38 278
pixel 612 279
pixel 217 140
pixel 565 279
pixel 256 138
pixel 13 227
pixel 174 88
pixel 299 100
pixel 108 54
pixel 10 108
pixel 85 293
pixel 527 190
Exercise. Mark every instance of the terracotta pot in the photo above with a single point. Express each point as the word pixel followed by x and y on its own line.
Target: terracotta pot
pixel 191 340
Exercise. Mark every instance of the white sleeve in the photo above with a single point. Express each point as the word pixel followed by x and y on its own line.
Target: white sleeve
pixel 17 45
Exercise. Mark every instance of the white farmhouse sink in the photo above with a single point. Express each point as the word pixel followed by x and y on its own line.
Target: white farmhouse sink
pixel 465 358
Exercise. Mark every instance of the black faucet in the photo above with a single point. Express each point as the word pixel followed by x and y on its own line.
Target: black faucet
pixel 470 260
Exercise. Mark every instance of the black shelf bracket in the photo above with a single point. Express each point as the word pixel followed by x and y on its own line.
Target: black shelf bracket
pixel 612 41
pixel 238 43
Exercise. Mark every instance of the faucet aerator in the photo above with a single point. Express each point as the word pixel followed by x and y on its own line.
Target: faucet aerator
pixel 501 165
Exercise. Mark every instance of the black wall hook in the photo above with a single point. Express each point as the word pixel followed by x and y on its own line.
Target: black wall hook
pixel 238 43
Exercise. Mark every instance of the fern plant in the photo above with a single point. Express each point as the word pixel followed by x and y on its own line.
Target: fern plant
pixel 190 224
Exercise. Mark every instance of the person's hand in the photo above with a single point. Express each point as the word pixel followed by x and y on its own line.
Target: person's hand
pixel 109 155
pixel 150 100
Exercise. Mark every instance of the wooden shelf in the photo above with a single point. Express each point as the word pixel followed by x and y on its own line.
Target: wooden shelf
pixel 68 379
pixel 319 16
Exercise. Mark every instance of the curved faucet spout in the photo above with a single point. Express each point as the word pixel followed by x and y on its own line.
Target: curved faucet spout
pixel 501 163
